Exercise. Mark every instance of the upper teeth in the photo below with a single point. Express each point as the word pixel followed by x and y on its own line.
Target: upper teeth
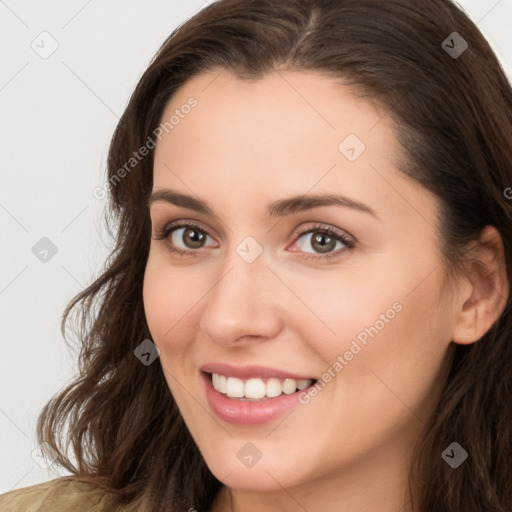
pixel 256 388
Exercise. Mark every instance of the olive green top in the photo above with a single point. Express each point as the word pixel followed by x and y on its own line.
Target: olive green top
pixel 60 495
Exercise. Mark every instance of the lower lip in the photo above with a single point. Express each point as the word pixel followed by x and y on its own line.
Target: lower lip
pixel 248 413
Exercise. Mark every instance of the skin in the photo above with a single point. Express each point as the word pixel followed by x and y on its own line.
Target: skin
pixel 246 144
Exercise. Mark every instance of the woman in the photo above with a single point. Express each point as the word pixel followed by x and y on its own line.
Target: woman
pixel 308 306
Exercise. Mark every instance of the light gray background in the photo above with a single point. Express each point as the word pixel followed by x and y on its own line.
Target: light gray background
pixel 57 117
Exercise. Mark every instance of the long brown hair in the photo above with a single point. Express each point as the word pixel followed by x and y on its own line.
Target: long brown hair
pixel 454 121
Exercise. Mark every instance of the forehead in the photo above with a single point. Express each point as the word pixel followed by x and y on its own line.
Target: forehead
pixel 276 111
pixel 286 133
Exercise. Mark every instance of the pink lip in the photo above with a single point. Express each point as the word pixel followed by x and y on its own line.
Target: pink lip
pixel 247 372
pixel 247 413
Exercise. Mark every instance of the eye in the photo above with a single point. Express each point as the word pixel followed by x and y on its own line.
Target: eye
pixel 324 240
pixel 183 232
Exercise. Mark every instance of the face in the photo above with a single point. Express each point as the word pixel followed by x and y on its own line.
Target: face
pixel 336 307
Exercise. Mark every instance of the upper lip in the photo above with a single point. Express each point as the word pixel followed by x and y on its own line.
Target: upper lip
pixel 251 371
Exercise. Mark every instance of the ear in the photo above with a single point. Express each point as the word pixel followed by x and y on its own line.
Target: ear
pixel 486 295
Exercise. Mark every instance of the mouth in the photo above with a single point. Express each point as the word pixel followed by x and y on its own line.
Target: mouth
pixel 257 389
pixel 255 400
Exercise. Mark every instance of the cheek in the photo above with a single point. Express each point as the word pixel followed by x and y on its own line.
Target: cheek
pixel 341 307
pixel 168 303
pixel 390 321
pixel 404 348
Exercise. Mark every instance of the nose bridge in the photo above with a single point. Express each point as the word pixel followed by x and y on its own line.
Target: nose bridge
pixel 241 302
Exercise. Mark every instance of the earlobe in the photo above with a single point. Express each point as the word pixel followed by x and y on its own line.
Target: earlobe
pixel 484 300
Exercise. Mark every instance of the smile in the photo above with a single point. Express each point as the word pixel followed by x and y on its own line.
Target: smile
pixel 252 395
pixel 256 388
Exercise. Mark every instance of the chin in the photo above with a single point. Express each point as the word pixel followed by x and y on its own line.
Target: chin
pixel 271 472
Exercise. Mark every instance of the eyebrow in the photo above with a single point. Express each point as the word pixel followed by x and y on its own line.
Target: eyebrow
pixel 279 208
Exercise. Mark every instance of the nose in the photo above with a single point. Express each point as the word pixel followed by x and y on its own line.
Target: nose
pixel 244 304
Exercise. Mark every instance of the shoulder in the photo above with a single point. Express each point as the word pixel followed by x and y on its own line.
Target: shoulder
pixel 63 494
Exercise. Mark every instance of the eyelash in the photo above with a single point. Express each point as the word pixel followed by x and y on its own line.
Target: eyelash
pixel 164 233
